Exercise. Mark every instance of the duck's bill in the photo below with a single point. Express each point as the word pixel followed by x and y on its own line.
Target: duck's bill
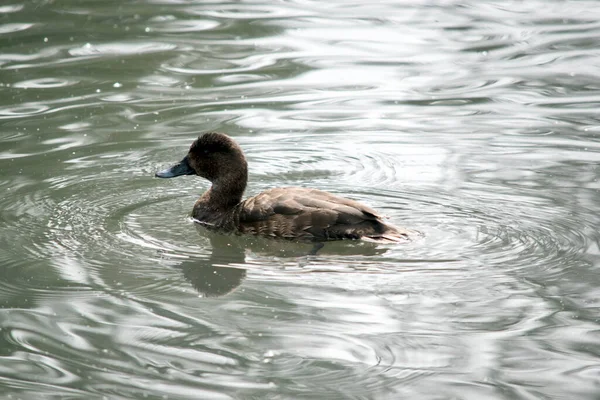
pixel 183 168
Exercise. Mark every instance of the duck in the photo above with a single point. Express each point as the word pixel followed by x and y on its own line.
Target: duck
pixel 289 213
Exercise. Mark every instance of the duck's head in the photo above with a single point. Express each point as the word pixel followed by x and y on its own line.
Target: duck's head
pixel 214 156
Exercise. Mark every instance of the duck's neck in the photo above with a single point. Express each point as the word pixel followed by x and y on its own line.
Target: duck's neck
pixel 225 192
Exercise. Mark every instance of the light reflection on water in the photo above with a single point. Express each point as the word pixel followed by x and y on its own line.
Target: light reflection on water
pixel 473 123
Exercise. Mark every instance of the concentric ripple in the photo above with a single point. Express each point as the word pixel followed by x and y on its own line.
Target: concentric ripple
pixel 149 218
pixel 473 123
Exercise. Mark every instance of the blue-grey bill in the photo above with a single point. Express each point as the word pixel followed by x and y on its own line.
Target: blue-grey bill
pixel 182 168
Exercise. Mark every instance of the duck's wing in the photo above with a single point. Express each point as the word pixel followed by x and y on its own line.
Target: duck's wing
pixel 309 214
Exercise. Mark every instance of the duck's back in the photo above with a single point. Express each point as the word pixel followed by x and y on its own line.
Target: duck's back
pixel 312 214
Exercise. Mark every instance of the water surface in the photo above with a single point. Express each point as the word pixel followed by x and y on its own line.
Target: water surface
pixel 474 123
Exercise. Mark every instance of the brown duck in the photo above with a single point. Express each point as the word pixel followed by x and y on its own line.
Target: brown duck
pixel 292 213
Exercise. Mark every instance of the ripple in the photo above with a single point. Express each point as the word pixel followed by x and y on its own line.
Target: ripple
pixel 44 83
pixel 147 222
pixel 39 54
pixel 42 370
pixel 178 26
pixel 247 11
pixel 71 349
pixel 471 122
pixel 12 28
pixel 121 48
pixel 490 233
pixel 76 126
pixel 11 8
pixel 23 110
pixel 191 65
pixel 106 223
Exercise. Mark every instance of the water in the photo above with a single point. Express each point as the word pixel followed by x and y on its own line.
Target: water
pixel 475 123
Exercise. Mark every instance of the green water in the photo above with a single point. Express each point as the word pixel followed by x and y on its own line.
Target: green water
pixel 475 123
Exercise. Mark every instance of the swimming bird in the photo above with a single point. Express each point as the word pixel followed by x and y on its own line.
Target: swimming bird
pixel 292 213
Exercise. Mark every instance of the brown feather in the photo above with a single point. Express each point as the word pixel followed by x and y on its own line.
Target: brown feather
pixel 312 214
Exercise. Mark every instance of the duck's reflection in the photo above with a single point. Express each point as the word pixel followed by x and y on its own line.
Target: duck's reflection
pixel 221 273
pixel 225 269
pixel 212 280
